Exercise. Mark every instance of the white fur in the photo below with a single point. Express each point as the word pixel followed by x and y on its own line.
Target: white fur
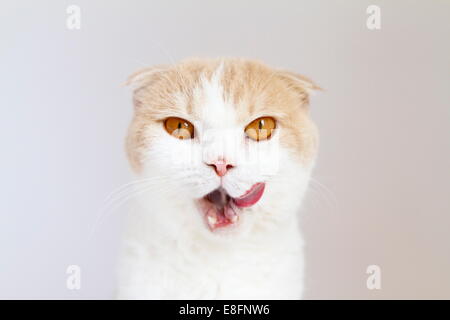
pixel 169 253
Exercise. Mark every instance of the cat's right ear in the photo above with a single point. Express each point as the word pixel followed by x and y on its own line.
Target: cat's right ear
pixel 144 76
pixel 141 79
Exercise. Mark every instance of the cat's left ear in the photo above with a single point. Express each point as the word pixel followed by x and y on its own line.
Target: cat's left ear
pixel 301 84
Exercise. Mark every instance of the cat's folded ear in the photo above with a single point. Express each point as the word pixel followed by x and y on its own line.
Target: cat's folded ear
pixel 145 76
pixel 301 84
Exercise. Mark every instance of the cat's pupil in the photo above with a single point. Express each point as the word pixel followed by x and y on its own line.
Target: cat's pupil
pixel 260 124
pixel 179 125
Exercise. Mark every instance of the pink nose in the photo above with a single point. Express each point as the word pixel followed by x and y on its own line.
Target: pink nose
pixel 220 166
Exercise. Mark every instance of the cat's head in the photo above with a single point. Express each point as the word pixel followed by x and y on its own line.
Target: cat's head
pixel 231 138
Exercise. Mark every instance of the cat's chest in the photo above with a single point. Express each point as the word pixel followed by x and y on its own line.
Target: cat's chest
pixel 238 274
pixel 196 271
pixel 226 264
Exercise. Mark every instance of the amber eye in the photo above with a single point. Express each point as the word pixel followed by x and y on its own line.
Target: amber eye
pixel 260 129
pixel 179 128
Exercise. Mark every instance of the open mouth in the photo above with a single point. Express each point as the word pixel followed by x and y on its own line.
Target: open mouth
pixel 221 210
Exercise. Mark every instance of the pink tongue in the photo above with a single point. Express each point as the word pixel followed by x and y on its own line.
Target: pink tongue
pixel 251 197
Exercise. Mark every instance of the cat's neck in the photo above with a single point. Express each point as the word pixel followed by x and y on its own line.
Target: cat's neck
pixel 170 224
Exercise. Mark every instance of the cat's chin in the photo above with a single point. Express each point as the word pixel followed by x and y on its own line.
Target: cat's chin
pixel 221 211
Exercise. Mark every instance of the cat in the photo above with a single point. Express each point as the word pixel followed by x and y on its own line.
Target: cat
pixel 223 151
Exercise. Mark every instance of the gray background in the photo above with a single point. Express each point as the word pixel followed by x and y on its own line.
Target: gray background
pixel 384 121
